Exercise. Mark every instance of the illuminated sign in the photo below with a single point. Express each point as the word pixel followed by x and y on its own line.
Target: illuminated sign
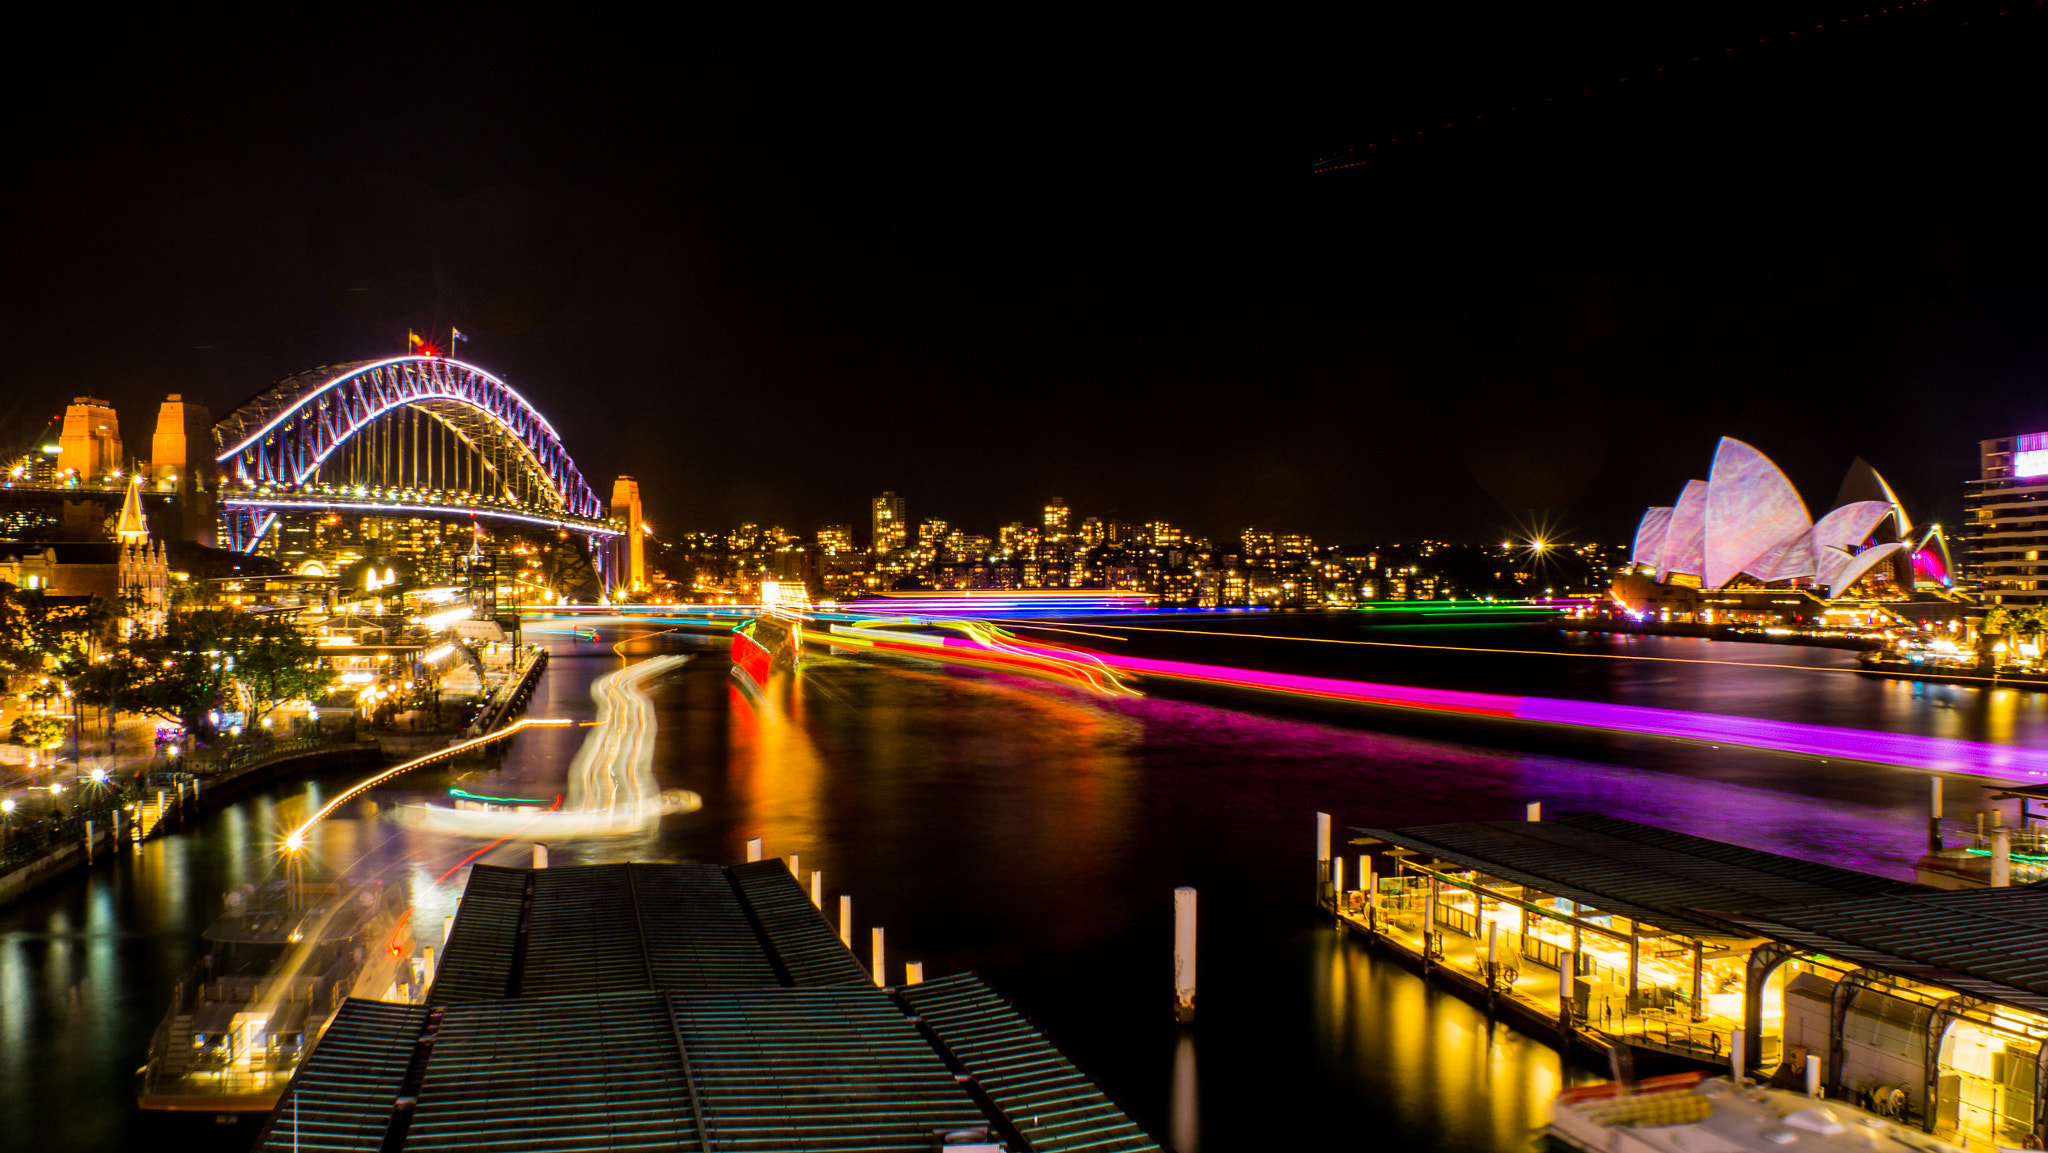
pixel 2030 457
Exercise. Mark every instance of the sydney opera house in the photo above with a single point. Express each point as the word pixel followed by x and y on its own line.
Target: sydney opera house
pixel 1745 529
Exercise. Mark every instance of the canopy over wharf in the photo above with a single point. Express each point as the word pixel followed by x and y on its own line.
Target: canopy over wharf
pixel 1622 899
pixel 680 1006
pixel 1930 1005
pixel 1939 998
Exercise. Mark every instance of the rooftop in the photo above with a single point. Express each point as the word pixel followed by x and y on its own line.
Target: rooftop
pixel 1662 878
pixel 679 1006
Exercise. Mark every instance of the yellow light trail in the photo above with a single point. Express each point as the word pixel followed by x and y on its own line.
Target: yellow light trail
pixel 297 838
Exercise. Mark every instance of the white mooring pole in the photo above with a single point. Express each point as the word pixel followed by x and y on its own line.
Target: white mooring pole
pixel 1736 1037
pixel 1184 954
pixel 540 855
pixel 846 919
pixel 1812 1075
pixel 913 972
pixel 818 889
pixel 1535 810
pixel 879 982
pixel 754 850
pixel 794 872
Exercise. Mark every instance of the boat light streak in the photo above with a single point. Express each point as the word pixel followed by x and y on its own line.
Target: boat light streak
pixel 297 838
pixel 1907 750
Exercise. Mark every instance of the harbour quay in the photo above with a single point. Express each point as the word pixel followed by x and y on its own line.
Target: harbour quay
pixel 1632 942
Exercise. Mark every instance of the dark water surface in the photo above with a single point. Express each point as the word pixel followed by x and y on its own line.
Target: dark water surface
pixel 1036 834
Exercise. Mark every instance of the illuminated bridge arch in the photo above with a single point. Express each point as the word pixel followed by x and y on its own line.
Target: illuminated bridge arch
pixel 411 433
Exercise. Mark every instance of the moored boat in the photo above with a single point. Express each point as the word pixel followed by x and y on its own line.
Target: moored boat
pixel 279 961
pixel 1691 1113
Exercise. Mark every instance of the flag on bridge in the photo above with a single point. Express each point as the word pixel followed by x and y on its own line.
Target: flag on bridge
pixel 455 337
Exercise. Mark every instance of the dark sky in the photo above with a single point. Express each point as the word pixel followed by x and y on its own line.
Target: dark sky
pixel 984 262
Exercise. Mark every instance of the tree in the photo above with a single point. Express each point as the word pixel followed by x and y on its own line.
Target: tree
pixel 195 667
pixel 37 731
pixel 276 665
pixel 183 674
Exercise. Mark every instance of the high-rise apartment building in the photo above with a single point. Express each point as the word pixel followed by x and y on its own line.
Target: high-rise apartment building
pixel 835 539
pixel 1092 532
pixel 2005 520
pixel 891 523
pixel 1057 518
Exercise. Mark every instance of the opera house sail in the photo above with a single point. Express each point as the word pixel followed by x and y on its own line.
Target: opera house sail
pixel 1746 524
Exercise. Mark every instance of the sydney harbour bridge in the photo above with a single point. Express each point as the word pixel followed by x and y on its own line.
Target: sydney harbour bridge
pixel 423 460
pixel 417 455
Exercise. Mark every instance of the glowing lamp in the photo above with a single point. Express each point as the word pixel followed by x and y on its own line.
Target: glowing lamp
pixel 294 842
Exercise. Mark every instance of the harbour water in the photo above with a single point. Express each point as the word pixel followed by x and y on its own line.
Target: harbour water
pixel 1035 834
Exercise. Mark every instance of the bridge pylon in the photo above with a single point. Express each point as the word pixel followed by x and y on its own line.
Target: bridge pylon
pixel 631 570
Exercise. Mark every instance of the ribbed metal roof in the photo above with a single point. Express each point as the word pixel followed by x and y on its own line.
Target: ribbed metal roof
pixel 1641 872
pixel 584 934
pixel 809 950
pixel 1053 1104
pixel 614 928
pixel 554 1073
pixel 697 934
pixel 816 1069
pixel 476 965
pixel 341 1099
pixel 673 1006
pixel 1989 943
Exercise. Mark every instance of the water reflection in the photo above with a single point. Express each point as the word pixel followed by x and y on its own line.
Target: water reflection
pixel 1032 833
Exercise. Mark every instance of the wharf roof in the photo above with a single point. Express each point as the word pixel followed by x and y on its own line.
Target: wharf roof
pixel 1988 943
pixel 679 1006
pixel 612 928
pixel 1662 878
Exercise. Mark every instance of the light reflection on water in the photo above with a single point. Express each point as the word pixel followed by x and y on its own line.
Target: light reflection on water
pixel 1032 833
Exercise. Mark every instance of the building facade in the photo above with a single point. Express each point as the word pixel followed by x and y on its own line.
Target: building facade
pixel 2005 520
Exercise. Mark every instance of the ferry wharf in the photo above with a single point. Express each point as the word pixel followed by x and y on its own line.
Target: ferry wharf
pixel 1927 1005
pixel 1510 906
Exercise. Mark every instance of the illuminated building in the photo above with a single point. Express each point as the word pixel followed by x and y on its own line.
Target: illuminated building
pixel 891 523
pixel 2005 520
pixel 931 536
pixel 1092 533
pixel 1159 534
pixel 1746 525
pixel 1057 515
pixel 835 539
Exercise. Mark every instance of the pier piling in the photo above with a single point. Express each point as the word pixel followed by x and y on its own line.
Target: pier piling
pixel 794 872
pixel 1934 815
pixel 818 889
pixel 879 974
pixel 1184 951
pixel 1535 810
pixel 2001 857
pixel 1812 1075
pixel 846 920
pixel 913 972
pixel 754 850
pixel 540 855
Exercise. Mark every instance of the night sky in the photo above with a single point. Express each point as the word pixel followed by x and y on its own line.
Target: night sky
pixel 984 260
